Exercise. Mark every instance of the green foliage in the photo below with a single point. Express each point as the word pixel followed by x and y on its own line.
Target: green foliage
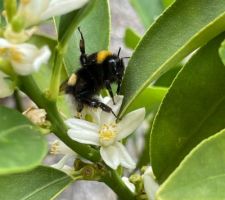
pixel 192 110
pixel 38 184
pixel 21 146
pixel 131 38
pixel 163 46
pixel 200 176
pixel 95 40
pixel 147 10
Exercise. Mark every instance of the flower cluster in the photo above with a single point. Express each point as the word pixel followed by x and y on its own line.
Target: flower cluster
pixel 25 58
pixel 104 131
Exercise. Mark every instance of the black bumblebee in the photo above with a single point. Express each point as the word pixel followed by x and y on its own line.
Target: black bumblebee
pixel 98 70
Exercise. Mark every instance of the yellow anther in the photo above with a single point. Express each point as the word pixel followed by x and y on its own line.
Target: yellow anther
pixel 3 51
pixel 107 133
pixel 16 55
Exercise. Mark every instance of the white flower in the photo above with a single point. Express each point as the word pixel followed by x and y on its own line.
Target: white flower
pixel 6 88
pixel 34 11
pixel 128 184
pixel 25 58
pixel 150 184
pixel 107 133
pixel 59 148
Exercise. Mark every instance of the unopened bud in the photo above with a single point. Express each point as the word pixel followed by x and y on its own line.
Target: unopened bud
pixel 36 115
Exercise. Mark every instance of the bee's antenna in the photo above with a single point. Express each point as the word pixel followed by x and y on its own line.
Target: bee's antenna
pixel 119 52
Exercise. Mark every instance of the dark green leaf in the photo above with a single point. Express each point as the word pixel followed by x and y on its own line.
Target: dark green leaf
pixel 201 174
pixel 42 183
pixel 21 146
pixel 193 109
pixel 184 26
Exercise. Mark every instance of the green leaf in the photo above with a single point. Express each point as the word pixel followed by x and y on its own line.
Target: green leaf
pixel 95 40
pixel 193 109
pixel 166 79
pixel 147 10
pixel 222 52
pixel 42 183
pixel 150 98
pixel 201 174
pixel 131 38
pixel 183 27
pixel 21 146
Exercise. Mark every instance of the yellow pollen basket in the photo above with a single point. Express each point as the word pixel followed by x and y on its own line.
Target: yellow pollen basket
pixel 107 133
pixel 16 55
pixel 102 55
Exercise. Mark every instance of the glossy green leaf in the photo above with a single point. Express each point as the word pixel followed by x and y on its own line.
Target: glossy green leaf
pixel 42 183
pixel 95 28
pixel 222 52
pixel 21 145
pixel 150 98
pixel 193 109
pixel 183 27
pixel 131 38
pixel 147 10
pixel 200 176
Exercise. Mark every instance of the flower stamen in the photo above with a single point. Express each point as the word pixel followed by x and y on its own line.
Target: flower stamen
pixel 107 134
pixel 24 2
pixel 16 55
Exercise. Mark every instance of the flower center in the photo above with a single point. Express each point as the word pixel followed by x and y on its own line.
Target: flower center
pixel 107 134
pixel 16 55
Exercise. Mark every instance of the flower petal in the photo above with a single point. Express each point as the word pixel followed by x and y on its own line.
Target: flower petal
pixel 150 185
pixel 84 136
pixel 125 159
pixel 128 184
pixel 59 7
pixel 6 87
pixel 27 58
pixel 130 122
pixel 74 123
pixel 106 117
pixel 110 156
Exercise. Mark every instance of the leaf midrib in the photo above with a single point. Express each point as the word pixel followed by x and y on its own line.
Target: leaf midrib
pixel 44 187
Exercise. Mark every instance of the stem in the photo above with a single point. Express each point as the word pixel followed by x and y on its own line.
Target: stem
pixel 28 86
pixel 56 73
pixel 17 100
pixel 10 7
pixel 114 181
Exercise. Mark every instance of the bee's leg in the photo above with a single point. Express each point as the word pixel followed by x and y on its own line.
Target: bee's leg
pixel 108 87
pixel 118 86
pixel 97 104
pixel 83 56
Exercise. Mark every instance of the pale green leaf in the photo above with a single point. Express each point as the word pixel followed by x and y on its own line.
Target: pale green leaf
pixel 21 146
pixel 131 38
pixel 200 176
pixel 222 52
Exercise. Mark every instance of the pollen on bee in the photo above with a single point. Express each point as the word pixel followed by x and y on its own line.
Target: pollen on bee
pixel 101 56
pixel 72 80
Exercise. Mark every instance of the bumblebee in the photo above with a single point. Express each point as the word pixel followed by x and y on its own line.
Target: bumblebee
pixel 98 71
